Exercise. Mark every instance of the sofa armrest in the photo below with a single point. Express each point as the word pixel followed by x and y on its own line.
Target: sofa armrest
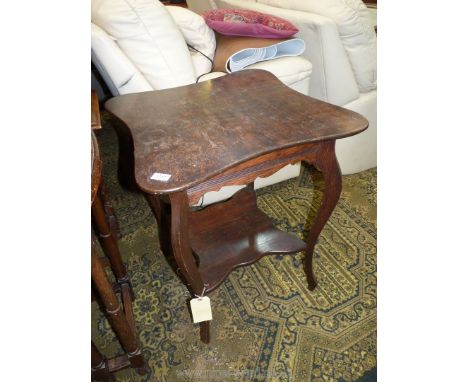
pixel 332 78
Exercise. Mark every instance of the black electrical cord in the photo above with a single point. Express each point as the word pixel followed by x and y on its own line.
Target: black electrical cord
pixel 204 55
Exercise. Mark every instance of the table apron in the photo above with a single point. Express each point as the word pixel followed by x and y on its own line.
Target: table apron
pixel 262 166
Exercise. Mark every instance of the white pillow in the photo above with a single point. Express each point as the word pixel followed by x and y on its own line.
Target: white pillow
pixel 198 35
pixel 145 31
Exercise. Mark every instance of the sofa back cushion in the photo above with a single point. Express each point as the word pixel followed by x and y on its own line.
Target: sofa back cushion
pixel 119 73
pixel 199 36
pixel 355 29
pixel 149 37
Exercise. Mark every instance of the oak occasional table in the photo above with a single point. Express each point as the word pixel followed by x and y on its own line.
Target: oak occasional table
pixel 228 131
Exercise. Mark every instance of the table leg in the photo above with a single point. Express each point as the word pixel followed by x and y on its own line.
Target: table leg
pixel 108 240
pixel 325 160
pixel 116 315
pixel 183 253
pixel 156 206
pixel 99 367
pixel 162 213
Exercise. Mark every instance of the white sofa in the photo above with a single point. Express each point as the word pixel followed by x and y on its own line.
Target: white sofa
pixel 141 45
pixel 341 44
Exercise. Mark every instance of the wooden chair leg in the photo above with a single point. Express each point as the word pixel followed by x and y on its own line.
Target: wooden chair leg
pixel 108 241
pixel 110 213
pixel 116 315
pixel 99 366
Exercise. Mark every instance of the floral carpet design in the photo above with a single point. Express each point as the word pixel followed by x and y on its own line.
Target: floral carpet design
pixel 267 326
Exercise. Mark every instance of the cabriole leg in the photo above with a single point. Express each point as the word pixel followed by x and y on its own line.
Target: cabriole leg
pixel 327 163
pixel 183 253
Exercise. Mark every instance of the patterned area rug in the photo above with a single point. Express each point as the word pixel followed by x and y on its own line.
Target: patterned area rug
pixel 267 326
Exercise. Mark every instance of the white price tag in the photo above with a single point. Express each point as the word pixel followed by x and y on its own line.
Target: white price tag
pixel 160 176
pixel 201 309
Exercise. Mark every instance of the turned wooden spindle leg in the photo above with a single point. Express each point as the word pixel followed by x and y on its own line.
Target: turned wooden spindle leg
pixel 183 253
pixel 109 210
pixel 99 366
pixel 327 163
pixel 108 241
pixel 116 315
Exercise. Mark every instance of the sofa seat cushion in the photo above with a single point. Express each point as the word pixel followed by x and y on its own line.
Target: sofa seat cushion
pixel 147 34
pixel 355 29
pixel 289 70
pixel 211 76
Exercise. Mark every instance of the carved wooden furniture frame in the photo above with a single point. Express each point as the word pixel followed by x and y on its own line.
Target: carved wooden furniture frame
pixel 119 313
pixel 229 131
pixel 186 235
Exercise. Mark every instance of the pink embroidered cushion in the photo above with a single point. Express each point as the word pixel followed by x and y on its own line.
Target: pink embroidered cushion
pixel 242 22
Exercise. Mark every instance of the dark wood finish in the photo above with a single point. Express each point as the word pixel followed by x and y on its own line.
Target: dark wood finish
pixel 105 218
pixel 179 3
pixel 96 167
pixel 229 131
pixel 102 215
pixel 95 115
pixel 117 317
pixel 183 253
pixel 262 166
pixel 105 369
pixel 108 241
pixel 115 286
pixel 99 366
pixel 102 369
pixel 198 131
pixel 121 319
pixel 234 233
pixel 326 162
pixel 162 213
pixel 127 298
pixel 110 213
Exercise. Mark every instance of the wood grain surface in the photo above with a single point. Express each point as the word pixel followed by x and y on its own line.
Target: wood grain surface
pixel 197 131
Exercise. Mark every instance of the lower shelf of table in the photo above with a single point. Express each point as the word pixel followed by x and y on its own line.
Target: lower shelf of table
pixel 235 233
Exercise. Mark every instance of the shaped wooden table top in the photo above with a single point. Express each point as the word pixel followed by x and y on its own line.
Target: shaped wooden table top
pixel 197 131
